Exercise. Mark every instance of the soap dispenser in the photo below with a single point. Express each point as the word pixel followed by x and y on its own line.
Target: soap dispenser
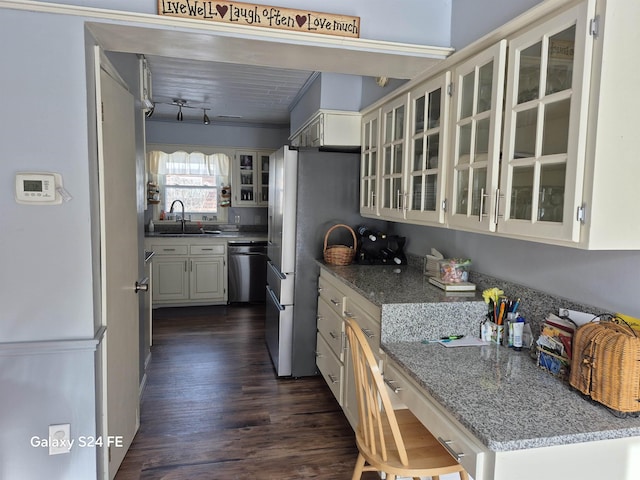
pixel 151 226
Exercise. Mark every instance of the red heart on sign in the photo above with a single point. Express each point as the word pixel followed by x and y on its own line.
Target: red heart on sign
pixel 222 10
pixel 301 19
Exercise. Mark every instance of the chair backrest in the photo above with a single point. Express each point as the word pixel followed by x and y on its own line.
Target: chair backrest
pixel 375 412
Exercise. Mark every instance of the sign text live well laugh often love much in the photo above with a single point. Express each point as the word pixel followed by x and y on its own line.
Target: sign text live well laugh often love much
pixel 262 16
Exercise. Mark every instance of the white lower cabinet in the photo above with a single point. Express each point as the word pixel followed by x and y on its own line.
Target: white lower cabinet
pixel 337 301
pixel 188 271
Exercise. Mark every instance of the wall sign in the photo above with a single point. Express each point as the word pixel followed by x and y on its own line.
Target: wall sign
pixel 262 16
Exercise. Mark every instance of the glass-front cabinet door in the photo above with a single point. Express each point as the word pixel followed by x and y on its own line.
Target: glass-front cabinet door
pixel 263 187
pixel 428 142
pixel 392 188
pixel 369 164
pixel 250 185
pixel 543 154
pixel 478 86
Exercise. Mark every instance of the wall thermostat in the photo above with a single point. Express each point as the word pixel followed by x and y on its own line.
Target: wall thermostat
pixel 38 188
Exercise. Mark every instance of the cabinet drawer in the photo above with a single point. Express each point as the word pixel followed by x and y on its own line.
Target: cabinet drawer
pixel 370 326
pixel 170 249
pixel 207 250
pixel 330 367
pixel 331 327
pixel 333 296
pixel 472 454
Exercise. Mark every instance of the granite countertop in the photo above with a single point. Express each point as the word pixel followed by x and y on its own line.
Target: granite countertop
pixel 504 399
pixel 226 235
pixel 383 284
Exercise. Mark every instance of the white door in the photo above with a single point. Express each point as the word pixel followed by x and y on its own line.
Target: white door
pixel 119 264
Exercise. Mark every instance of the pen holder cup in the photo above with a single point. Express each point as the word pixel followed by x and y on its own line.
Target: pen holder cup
pixel 496 332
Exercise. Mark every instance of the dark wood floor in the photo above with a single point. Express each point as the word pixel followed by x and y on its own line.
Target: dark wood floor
pixel 213 409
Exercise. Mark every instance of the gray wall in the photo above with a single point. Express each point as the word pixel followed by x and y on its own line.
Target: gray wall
pixel 47 277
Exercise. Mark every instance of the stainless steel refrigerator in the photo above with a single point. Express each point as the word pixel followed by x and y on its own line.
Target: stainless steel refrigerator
pixel 309 192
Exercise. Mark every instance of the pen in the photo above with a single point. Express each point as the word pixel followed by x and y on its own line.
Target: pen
pixel 444 339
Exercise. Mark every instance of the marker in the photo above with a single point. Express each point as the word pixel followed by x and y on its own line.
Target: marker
pixel 452 337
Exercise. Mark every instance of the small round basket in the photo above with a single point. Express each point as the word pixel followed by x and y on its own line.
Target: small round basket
pixel 339 254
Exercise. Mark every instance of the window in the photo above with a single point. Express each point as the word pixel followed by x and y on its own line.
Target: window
pixel 194 178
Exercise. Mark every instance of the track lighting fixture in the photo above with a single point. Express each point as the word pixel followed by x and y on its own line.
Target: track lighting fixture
pixel 180 103
pixel 205 117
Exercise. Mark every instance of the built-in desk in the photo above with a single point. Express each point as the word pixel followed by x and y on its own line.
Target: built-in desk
pixel 511 419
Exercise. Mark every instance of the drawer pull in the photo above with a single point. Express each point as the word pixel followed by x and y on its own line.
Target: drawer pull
pixel 168 249
pixel 348 314
pixel 333 335
pixel 319 289
pixel 333 379
pixel 335 302
pixel 368 333
pixel 447 444
pixel 392 385
pixel 318 354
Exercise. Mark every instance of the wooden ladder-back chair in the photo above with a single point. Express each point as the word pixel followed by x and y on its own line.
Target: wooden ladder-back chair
pixel 394 442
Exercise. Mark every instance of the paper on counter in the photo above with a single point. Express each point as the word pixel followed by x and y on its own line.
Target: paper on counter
pixel 464 342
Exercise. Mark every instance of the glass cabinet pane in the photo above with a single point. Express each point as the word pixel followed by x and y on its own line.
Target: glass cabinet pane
pixel 485 86
pixel 525 139
pixel 418 154
pixel 555 135
pixel 246 178
pixel 479 182
pixel 374 133
pixel 430 185
pixel 551 195
pixel 387 160
pixel 466 109
pixel 246 162
pixel 482 140
pixel 399 123
pixel 388 127
pixel 521 193
pixel 397 163
pixel 419 115
pixel 462 192
pixel 529 75
pixel 560 60
pixel 366 141
pixel 464 147
pixel 416 200
pixel 434 108
pixel 433 148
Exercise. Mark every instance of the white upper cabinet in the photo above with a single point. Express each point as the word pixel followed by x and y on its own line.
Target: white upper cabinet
pixel 478 86
pixel 250 184
pixel 392 186
pixel 545 128
pixel 425 172
pixel 537 137
pixel 369 164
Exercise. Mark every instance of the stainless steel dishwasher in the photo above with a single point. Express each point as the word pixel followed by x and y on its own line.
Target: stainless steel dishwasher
pixel 247 271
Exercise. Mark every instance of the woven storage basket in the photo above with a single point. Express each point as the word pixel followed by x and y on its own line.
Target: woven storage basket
pixel 339 254
pixel 605 365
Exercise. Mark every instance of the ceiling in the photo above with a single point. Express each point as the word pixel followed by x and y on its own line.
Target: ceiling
pixel 250 75
pixel 230 92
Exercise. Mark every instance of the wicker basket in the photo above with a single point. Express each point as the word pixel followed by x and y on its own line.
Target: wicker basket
pixel 339 254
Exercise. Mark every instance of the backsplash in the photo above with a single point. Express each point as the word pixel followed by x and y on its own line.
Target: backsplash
pixel 534 304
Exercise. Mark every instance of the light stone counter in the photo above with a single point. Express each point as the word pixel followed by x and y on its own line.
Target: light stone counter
pixel 504 399
pixel 412 308
pixel 498 394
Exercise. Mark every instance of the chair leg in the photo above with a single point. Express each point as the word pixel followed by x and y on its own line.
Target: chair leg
pixel 435 477
pixel 464 475
pixel 358 469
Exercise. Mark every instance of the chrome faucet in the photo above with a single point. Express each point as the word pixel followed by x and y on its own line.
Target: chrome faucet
pixel 171 211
